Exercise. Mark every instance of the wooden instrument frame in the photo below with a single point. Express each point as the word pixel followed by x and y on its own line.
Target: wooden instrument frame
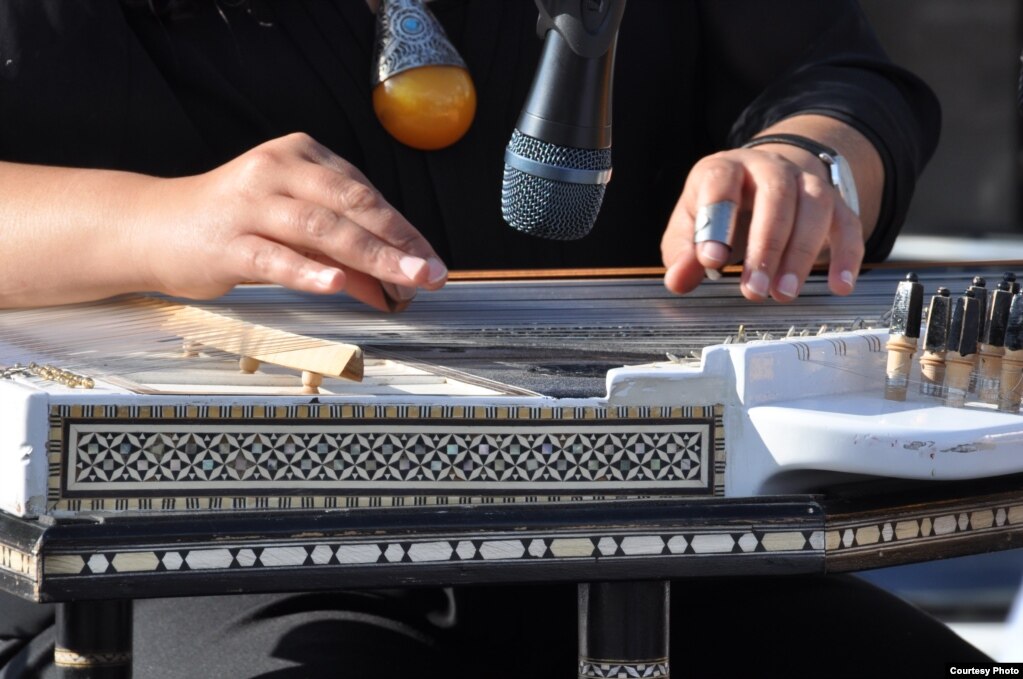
pixel 78 557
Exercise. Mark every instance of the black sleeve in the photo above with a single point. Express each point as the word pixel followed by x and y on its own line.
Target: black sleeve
pixel 789 57
pixel 77 89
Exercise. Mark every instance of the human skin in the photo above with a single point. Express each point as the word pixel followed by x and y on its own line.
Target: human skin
pixel 796 218
pixel 289 212
pixel 292 212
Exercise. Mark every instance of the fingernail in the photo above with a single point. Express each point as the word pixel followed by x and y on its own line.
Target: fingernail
pixel 758 283
pixel 399 293
pixel 712 274
pixel 788 286
pixel 716 253
pixel 411 266
pixel 671 273
pixel 326 277
pixel 848 278
pixel 438 271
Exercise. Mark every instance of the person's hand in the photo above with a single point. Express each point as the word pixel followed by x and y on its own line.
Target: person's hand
pixel 288 212
pixel 789 217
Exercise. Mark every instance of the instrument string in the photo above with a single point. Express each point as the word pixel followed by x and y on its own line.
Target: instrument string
pixel 634 317
pixel 88 336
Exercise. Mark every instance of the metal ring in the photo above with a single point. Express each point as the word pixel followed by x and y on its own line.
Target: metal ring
pixel 716 222
pixel 571 175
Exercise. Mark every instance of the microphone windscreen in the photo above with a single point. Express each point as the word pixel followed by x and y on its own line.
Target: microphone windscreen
pixel 544 201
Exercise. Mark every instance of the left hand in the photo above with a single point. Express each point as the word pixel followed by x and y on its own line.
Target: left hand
pixel 789 218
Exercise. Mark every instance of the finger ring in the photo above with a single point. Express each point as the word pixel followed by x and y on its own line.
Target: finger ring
pixel 716 222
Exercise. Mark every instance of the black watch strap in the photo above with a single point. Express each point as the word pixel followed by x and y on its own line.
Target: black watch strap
pixel 805 143
pixel 839 172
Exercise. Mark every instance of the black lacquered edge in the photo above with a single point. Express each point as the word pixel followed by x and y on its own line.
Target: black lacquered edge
pixel 464 527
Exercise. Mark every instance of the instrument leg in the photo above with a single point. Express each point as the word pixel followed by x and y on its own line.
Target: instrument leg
pixel 623 629
pixel 94 639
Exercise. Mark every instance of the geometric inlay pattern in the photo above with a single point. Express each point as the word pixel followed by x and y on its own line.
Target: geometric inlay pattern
pixel 17 562
pixel 604 669
pixel 219 457
pixel 113 456
pixel 857 536
pixel 505 548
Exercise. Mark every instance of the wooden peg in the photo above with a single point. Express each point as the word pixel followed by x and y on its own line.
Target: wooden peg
pixel 248 365
pixel 989 371
pixel 311 382
pixel 903 335
pixel 900 359
pixel 1010 386
pixel 963 336
pixel 932 361
pixel 932 373
pixel 958 369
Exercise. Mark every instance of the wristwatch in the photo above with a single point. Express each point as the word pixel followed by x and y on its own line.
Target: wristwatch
pixel 838 167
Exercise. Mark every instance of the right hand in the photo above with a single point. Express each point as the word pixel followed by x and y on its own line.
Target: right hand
pixel 288 212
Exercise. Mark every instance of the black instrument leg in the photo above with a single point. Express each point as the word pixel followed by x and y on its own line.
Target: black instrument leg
pixel 94 639
pixel 623 629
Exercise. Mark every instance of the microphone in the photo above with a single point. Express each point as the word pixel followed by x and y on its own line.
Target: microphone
pixel 558 160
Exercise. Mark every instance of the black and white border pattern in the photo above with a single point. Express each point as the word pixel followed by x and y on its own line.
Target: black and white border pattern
pixel 604 669
pixel 185 457
pixel 510 548
pixel 17 562
pixel 858 536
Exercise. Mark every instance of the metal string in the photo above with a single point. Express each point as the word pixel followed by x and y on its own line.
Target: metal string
pixel 633 316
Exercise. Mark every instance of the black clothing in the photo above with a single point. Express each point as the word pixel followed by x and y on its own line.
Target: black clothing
pixel 98 84
pixel 791 627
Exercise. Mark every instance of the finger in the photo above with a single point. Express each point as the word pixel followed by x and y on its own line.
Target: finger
pixel 775 186
pixel 365 288
pixel 309 226
pixel 814 210
pixel 384 297
pixel 342 189
pixel 717 182
pixel 713 181
pixel 846 245
pixel 684 271
pixel 254 258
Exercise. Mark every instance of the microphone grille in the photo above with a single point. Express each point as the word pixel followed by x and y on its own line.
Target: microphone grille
pixel 552 208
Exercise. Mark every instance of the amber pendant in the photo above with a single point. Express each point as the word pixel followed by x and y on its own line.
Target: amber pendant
pixel 422 92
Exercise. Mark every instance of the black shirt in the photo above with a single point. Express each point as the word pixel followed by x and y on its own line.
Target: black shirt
pixel 97 83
